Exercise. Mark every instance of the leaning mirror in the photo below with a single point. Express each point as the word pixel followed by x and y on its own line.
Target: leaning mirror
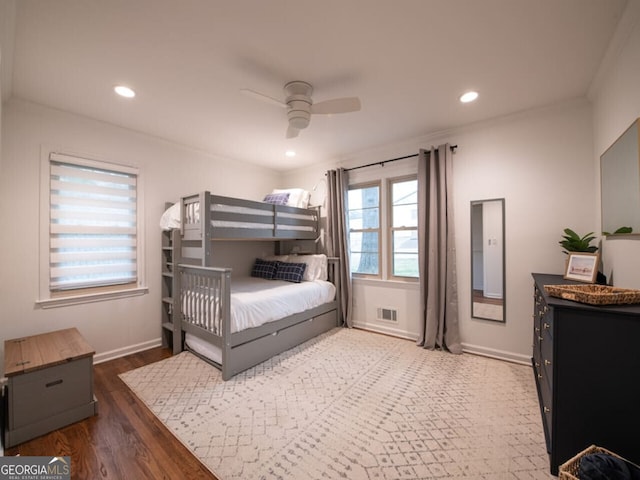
pixel 487 259
pixel 620 183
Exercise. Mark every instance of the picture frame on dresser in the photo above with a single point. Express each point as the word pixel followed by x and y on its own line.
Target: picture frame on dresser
pixel 582 267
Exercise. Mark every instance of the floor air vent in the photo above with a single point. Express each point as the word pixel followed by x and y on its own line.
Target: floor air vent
pixel 387 314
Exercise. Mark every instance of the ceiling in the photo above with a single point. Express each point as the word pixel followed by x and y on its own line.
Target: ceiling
pixel 407 60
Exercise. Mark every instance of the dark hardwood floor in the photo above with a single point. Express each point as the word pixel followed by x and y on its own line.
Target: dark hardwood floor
pixel 480 298
pixel 125 440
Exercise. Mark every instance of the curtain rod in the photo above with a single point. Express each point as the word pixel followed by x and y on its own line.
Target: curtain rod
pixel 452 147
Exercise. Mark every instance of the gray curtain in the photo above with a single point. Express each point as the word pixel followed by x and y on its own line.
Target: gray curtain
pixel 436 251
pixel 338 237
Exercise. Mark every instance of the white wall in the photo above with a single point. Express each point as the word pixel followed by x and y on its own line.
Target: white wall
pixel 7 31
pixel 167 170
pixel 541 163
pixel 1 106
pixel 616 104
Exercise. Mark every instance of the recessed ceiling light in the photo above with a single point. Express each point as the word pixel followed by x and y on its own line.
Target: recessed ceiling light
pixel 290 153
pixel 469 97
pixel 124 91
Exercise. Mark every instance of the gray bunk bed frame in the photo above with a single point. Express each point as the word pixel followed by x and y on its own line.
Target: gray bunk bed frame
pixel 244 349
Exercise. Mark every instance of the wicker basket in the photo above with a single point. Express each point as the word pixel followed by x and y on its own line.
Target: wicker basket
pixel 569 469
pixel 594 294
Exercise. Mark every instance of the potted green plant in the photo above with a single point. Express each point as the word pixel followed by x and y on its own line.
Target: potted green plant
pixel 572 242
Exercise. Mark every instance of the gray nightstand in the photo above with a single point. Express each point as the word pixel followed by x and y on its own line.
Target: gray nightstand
pixel 50 383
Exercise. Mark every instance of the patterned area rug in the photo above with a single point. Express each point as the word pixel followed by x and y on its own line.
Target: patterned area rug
pixel 353 405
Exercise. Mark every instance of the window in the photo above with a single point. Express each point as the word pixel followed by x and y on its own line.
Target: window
pixel 93 244
pixel 364 228
pixel 404 227
pixel 383 228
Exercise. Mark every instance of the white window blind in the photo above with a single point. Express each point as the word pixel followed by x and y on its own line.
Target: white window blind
pixel 93 224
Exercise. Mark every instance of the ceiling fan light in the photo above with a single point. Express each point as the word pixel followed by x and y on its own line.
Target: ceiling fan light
pixel 468 97
pixel 299 122
pixel 299 118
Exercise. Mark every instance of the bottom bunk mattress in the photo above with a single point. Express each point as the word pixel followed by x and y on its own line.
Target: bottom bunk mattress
pixel 256 301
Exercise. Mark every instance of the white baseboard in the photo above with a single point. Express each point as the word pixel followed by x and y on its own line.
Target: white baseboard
pixel 466 347
pixel 497 354
pixel 121 352
pixel 394 332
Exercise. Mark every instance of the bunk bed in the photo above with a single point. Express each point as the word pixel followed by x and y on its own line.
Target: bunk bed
pixel 208 302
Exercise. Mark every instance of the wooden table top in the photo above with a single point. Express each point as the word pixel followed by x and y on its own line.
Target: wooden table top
pixel 22 355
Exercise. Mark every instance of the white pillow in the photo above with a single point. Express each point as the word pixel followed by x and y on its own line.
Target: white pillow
pixel 276 258
pixel 171 217
pixel 306 198
pixel 316 266
pixel 297 196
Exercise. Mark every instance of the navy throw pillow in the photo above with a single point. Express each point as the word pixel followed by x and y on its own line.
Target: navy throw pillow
pixel 264 269
pixel 290 272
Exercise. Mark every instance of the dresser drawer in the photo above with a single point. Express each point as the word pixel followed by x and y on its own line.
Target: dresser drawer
pixel 546 360
pixel 40 394
pixel 537 359
pixel 537 332
pixel 545 408
pixel 546 322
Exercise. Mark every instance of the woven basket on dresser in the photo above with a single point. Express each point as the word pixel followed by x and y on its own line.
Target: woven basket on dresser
pixel 569 469
pixel 595 294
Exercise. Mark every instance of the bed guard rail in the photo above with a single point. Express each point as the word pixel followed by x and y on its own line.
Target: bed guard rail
pixel 204 299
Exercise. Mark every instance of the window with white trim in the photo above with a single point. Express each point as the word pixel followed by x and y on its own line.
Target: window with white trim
pixel 93 227
pixel 403 226
pixel 364 228
pixel 383 228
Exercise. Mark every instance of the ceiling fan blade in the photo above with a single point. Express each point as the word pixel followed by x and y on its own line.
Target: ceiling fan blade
pixel 337 105
pixel 263 97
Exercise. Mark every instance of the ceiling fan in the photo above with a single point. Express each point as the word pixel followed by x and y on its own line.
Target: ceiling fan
pixel 300 107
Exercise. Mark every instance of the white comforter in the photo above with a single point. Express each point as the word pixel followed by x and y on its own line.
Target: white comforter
pixel 255 301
